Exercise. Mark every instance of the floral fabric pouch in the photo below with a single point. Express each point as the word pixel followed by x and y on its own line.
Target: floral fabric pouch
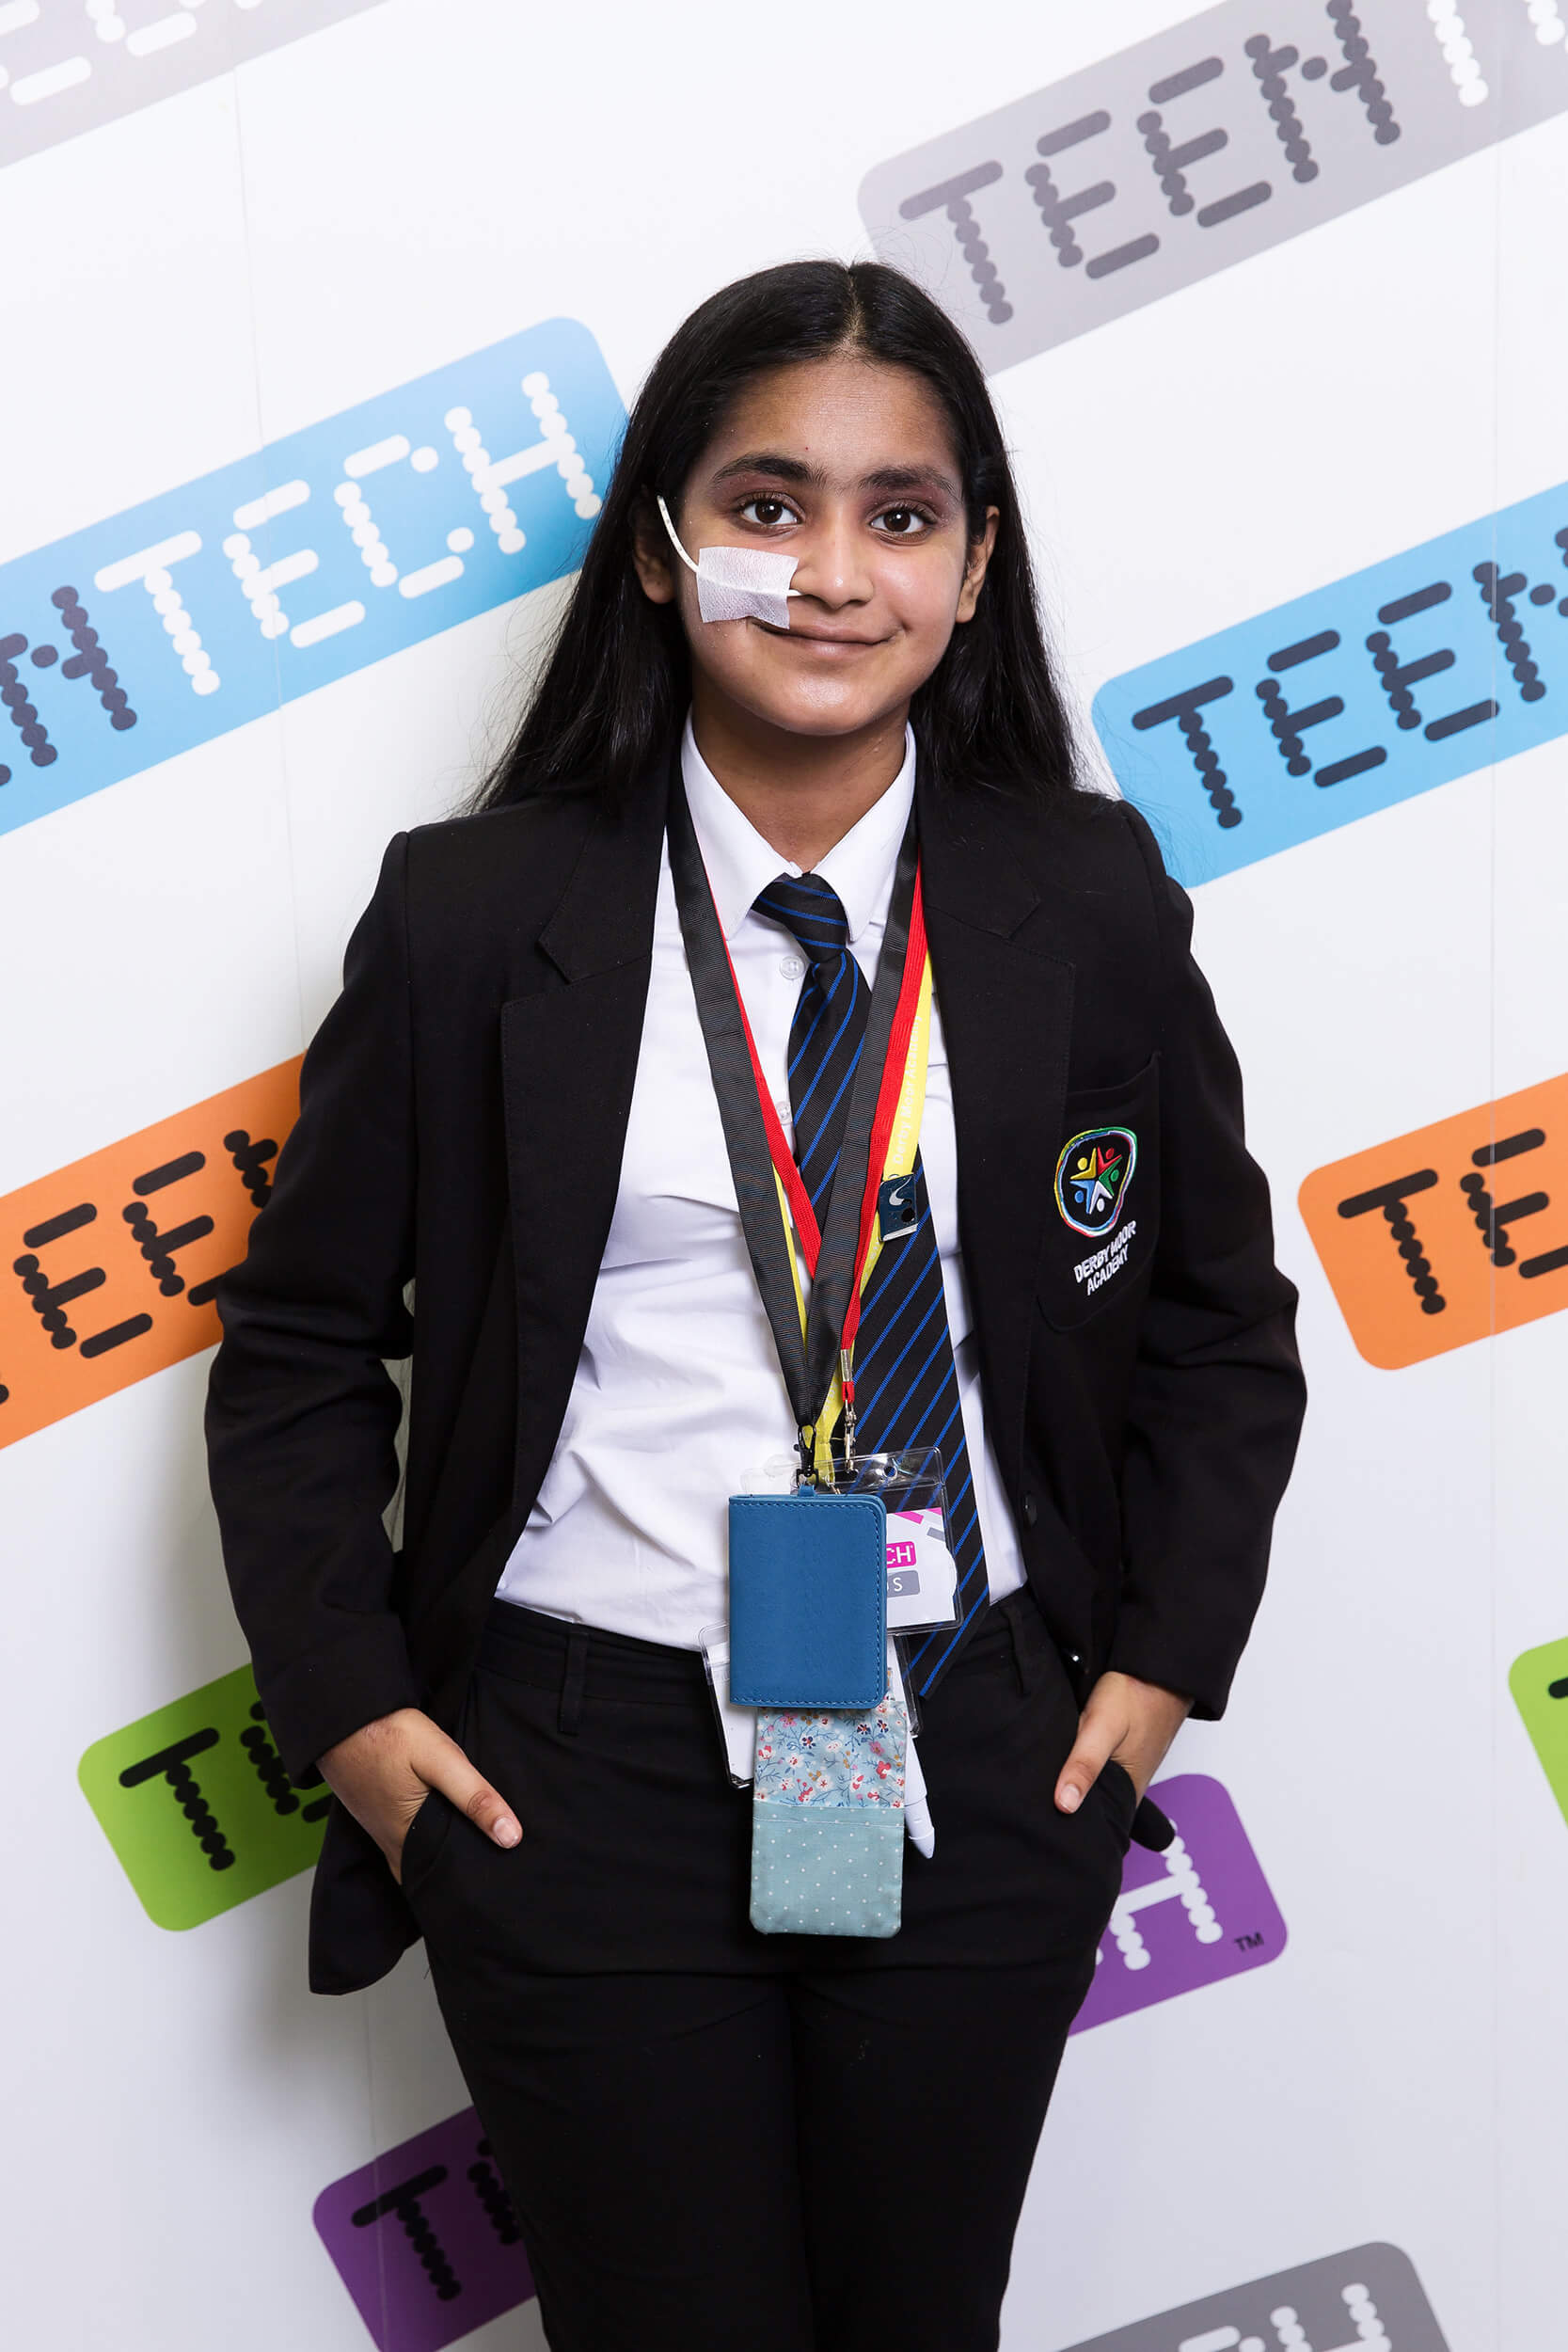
pixel 828 1821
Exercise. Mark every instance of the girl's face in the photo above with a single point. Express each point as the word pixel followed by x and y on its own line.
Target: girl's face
pixel 846 464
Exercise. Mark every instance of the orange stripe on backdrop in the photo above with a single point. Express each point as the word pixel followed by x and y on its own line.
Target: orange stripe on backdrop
pixel 1450 1233
pixel 109 1265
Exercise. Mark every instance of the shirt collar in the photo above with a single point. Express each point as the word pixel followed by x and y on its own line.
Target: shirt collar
pixel 741 864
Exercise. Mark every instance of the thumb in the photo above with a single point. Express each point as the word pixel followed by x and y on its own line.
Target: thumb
pixel 1097 1734
pixel 445 1767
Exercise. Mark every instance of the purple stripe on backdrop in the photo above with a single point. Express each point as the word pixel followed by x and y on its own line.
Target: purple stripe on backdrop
pixel 425 2239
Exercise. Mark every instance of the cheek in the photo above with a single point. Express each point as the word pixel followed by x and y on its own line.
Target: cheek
pixel 718 650
pixel 726 652
pixel 922 598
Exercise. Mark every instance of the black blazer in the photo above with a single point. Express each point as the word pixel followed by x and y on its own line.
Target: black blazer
pixel 463 1111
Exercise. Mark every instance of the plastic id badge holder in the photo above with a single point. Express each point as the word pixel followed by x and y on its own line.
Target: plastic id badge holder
pixel 922 1574
pixel 808 1601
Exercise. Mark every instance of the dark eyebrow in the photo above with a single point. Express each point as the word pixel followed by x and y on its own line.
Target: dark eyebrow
pixel 893 478
pixel 913 478
pixel 777 469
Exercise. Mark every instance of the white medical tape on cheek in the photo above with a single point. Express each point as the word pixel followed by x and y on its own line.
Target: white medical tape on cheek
pixel 739 583
pixel 745 583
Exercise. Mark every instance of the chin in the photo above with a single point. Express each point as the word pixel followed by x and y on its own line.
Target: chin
pixel 824 714
pixel 824 723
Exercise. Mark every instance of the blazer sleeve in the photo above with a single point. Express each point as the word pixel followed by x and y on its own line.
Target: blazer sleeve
pixel 1218 1395
pixel 302 1414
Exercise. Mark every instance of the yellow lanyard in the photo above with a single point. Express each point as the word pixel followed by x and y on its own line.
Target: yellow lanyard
pixel 903 1143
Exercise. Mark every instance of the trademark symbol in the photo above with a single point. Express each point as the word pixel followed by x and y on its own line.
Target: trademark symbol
pixel 1247 1942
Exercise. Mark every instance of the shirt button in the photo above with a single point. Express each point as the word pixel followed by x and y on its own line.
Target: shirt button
pixel 791 967
pixel 1031 1510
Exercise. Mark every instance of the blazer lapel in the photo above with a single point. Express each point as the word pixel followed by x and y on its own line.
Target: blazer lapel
pixel 569 1052
pixel 1007 1011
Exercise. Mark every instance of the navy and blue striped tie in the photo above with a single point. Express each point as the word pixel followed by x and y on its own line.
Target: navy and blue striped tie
pixel 905 1387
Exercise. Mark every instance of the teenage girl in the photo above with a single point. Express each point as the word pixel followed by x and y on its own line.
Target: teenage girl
pixel 719 2139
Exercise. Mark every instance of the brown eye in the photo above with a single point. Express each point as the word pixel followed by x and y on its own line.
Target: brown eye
pixel 767 511
pixel 904 522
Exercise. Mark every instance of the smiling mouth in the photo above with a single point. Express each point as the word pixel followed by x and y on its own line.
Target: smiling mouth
pixel 817 636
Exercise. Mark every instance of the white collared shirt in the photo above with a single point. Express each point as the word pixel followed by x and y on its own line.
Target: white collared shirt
pixel 678 1395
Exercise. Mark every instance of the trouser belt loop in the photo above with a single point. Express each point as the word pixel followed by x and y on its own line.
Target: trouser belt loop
pixel 574 1677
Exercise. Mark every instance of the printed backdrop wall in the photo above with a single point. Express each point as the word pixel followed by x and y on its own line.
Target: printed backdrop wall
pixel 322 316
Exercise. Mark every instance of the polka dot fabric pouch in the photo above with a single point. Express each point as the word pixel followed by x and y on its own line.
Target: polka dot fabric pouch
pixel 828 1821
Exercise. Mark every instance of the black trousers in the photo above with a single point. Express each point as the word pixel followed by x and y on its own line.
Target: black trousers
pixel 718 2140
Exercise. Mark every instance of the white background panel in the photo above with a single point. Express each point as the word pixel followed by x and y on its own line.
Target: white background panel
pixel 410 185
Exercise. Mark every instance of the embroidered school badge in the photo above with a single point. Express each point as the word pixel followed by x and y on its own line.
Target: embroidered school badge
pixel 1092 1177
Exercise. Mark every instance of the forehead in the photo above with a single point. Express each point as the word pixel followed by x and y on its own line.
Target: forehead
pixel 843 416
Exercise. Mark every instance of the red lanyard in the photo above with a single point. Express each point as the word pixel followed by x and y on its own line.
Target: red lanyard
pixel 767 1185
pixel 783 1160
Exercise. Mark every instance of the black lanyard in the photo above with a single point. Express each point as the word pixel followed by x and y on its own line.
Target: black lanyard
pixel 808 1367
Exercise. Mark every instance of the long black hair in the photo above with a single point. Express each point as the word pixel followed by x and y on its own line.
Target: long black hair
pixel 616 681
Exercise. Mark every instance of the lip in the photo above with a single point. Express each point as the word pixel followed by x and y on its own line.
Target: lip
pixel 820 637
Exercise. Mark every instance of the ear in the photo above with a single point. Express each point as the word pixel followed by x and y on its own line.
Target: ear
pixel 974 569
pixel 651 554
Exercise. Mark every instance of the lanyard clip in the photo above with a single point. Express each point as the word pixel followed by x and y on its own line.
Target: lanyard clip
pixel 847 1384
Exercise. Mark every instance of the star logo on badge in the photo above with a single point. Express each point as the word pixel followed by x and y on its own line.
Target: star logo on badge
pixel 1093 1175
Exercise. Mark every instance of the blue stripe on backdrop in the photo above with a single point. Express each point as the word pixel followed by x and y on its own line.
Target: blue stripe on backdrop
pixel 184 617
pixel 1394 680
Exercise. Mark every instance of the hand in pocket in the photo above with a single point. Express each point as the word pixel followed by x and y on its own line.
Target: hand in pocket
pixel 1129 1721
pixel 386 1770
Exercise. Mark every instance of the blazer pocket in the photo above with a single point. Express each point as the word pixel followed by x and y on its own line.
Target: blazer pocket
pixel 1103 1218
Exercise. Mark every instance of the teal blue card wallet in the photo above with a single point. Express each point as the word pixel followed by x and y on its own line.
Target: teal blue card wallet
pixel 828 1821
pixel 808 1601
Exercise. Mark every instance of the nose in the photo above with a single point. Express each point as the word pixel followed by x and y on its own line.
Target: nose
pixel 832 569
